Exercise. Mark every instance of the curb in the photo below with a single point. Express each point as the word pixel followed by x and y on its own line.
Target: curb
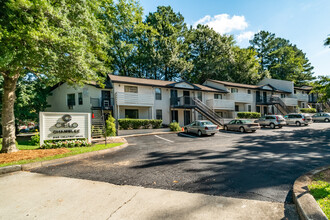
pixel 30 166
pixel 154 133
pixel 305 203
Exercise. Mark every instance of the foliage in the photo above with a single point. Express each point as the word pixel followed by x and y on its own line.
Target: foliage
pixel 128 123
pixel 281 59
pixel 322 88
pixel 248 115
pixel 327 42
pixel 35 140
pixel 110 126
pixel 321 192
pixel 65 144
pixel 61 41
pixel 174 126
pixel 307 110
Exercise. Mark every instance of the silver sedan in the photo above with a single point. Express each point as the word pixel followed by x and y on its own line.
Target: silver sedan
pixel 201 127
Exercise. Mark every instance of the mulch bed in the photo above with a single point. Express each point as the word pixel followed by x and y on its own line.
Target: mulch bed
pixel 30 154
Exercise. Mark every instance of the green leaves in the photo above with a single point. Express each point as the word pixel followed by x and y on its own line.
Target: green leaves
pixel 322 88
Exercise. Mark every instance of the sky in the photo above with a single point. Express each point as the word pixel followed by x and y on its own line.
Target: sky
pixel 305 23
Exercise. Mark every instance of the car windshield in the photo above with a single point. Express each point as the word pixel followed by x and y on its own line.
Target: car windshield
pixel 246 121
pixel 206 123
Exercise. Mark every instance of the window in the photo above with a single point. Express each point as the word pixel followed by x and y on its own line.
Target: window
pixel 71 98
pixel 132 113
pixel 159 114
pixel 249 91
pixel 282 95
pixel 249 108
pixel 234 90
pixel 217 96
pixel 236 108
pixel 131 89
pixel 200 96
pixel 295 91
pixel 80 98
pixel 158 93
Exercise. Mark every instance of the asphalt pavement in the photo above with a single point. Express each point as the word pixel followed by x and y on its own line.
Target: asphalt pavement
pixel 256 166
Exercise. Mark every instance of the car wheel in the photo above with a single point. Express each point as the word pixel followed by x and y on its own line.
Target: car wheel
pixel 253 131
pixel 199 133
pixel 298 123
pixel 272 125
pixel 213 134
pixel 326 120
pixel 241 129
pixel 226 128
pixel 305 124
pixel 186 130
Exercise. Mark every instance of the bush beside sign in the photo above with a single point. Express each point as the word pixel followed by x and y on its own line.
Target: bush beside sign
pixel 61 126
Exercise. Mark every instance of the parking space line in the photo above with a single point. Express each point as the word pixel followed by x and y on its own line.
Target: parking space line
pixel 164 139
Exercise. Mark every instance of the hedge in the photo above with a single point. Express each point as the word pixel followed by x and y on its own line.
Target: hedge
pixel 128 123
pixel 308 110
pixel 52 144
pixel 248 115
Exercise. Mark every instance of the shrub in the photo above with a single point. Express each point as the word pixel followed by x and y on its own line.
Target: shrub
pixel 139 123
pixel 51 144
pixel 308 110
pixel 110 126
pixel 35 140
pixel 248 115
pixel 174 126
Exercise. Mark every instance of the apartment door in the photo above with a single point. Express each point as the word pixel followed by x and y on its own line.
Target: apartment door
pixel 186 95
pixel 106 98
pixel 258 96
pixel 174 97
pixel 186 117
pixel 265 110
pixel 174 116
pixel 265 96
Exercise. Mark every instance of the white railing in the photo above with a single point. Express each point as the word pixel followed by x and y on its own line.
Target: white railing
pixel 241 97
pixel 290 101
pixel 221 104
pixel 134 99
pixel 302 97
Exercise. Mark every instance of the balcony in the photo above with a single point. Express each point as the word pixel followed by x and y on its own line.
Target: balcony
pixel 97 103
pixel 290 101
pixel 182 102
pixel 301 97
pixel 241 97
pixel 221 104
pixel 134 99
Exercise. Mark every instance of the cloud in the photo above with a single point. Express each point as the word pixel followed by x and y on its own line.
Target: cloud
pixel 223 23
pixel 248 35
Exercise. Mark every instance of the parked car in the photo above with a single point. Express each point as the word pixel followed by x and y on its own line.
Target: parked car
pixel 298 119
pixel 321 117
pixel 272 121
pixel 201 127
pixel 241 125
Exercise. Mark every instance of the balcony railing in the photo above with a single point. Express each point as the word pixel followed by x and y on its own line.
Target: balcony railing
pixel 263 100
pixel 134 99
pixel 241 97
pixel 222 104
pixel 290 101
pixel 301 97
pixel 102 103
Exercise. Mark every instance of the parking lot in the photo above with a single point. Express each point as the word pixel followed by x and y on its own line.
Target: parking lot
pixel 259 166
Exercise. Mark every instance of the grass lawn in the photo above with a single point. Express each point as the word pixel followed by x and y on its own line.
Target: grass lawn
pixel 25 145
pixel 320 189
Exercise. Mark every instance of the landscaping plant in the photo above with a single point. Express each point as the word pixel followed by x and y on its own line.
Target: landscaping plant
pixel 110 126
pixel 308 110
pixel 248 115
pixel 128 123
pixel 174 126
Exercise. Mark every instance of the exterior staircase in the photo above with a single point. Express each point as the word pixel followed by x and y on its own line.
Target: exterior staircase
pixel 207 112
pixel 98 124
pixel 280 105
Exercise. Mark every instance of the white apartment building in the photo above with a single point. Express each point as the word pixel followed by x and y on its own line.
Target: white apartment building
pixel 183 102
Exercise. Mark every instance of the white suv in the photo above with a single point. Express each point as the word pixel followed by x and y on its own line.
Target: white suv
pixel 298 119
pixel 272 121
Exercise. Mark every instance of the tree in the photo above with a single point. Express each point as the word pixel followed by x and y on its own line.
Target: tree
pixel 167 51
pixel 322 88
pixel 61 40
pixel 327 42
pixel 281 59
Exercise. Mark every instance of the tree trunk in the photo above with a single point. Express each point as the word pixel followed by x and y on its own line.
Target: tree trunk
pixel 8 117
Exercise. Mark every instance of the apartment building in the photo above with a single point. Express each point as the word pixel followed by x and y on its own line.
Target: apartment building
pixel 183 102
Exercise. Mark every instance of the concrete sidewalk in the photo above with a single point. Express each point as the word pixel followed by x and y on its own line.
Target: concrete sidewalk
pixel 27 195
